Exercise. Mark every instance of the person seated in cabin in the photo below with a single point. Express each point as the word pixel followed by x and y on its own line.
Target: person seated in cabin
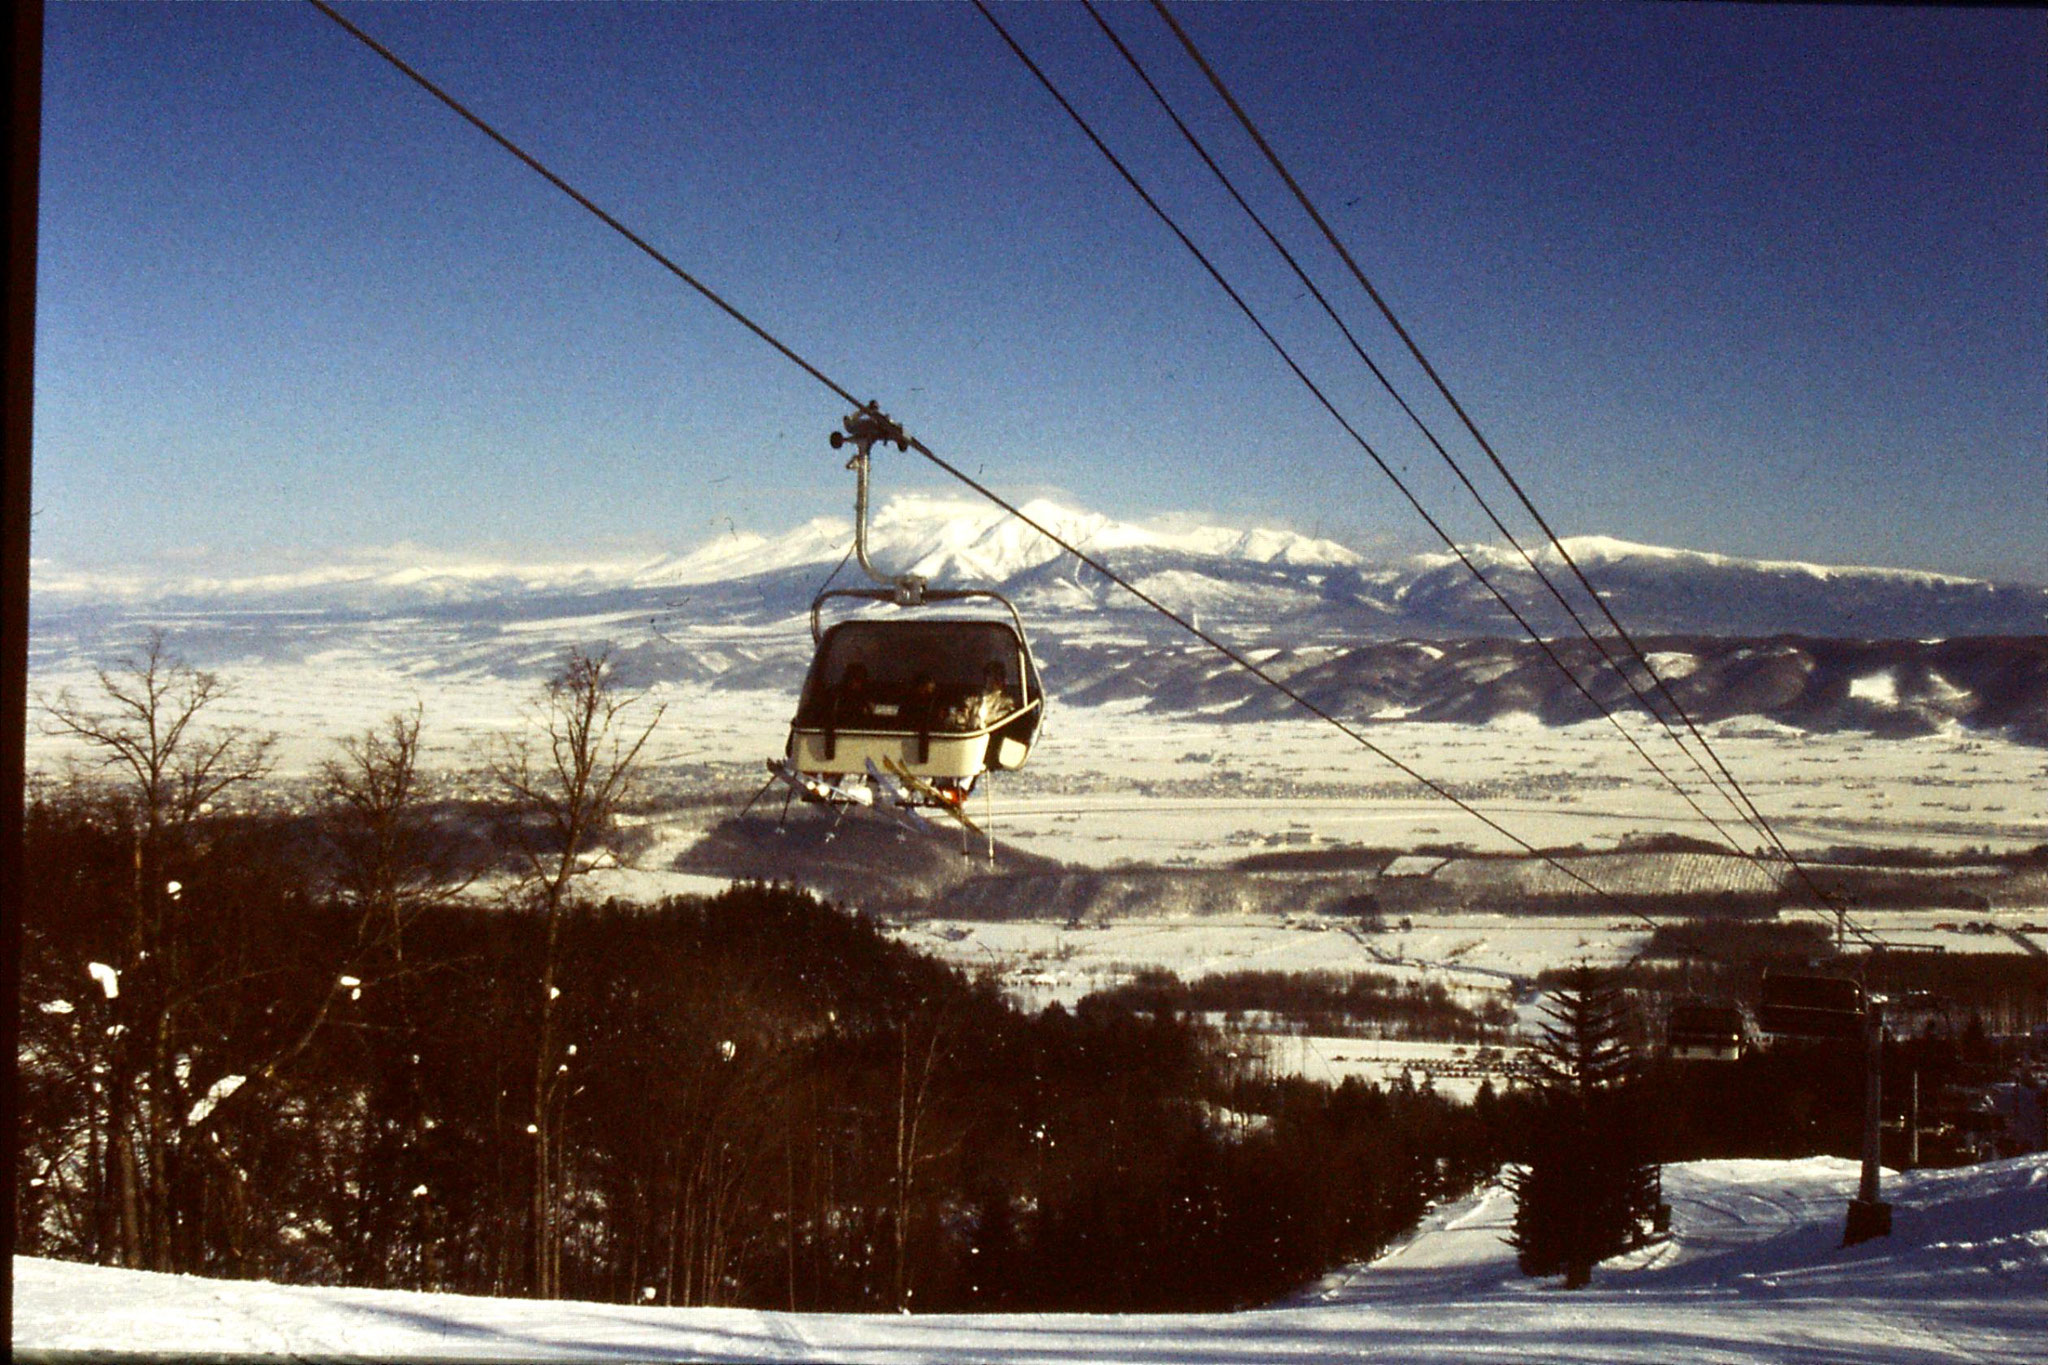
pixel 851 703
pixel 921 709
pixel 988 703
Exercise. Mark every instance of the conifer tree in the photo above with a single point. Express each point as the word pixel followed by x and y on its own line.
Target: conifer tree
pixel 1585 1188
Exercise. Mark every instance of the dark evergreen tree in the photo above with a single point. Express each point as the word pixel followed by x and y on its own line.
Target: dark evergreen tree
pixel 1585 1187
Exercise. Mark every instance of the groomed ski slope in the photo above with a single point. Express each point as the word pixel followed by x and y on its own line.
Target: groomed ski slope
pixel 1753 1272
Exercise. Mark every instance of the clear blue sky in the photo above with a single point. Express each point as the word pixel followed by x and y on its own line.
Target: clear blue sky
pixel 1761 280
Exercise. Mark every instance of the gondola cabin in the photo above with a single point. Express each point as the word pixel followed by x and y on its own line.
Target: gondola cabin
pixel 1698 1031
pixel 944 700
pixel 1801 1008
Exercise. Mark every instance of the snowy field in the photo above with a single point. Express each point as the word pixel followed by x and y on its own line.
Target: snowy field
pixel 1110 785
pixel 1040 962
pixel 1753 1272
pixel 1043 961
pixel 1455 1071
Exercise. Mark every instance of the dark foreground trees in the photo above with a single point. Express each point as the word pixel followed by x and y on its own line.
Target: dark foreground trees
pixel 1586 1187
pixel 566 783
pixel 154 771
pixel 760 1099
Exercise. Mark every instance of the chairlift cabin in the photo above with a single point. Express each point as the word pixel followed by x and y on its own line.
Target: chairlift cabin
pixel 1804 1008
pixel 944 700
pixel 924 700
pixel 1701 1031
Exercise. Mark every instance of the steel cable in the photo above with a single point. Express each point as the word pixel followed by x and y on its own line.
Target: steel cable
pixel 1359 350
pixel 1757 817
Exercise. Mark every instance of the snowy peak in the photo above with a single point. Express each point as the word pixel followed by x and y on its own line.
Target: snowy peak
pixel 1891 652
pixel 1630 556
pixel 1654 589
pixel 1609 550
pixel 948 539
pixel 383 576
pixel 744 554
pixel 1302 587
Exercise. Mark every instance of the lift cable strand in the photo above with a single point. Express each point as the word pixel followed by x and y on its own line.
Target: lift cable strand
pixel 566 188
pixel 1823 898
pixel 1219 646
pixel 1280 349
pixel 1600 646
pixel 1479 497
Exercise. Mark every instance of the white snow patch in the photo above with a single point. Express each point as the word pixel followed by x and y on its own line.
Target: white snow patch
pixel 1673 664
pixel 1754 1271
pixel 1882 688
pixel 220 1090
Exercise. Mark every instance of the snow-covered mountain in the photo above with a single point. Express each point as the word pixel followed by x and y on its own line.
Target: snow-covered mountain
pixel 1652 589
pixel 946 540
pixel 1324 588
pixel 1883 649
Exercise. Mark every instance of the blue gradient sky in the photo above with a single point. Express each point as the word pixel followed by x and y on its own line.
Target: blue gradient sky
pixel 1757 280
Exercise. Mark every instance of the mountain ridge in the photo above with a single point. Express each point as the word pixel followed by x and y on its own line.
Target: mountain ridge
pixel 955 540
pixel 1813 646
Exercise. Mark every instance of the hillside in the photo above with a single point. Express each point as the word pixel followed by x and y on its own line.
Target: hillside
pixel 1753 1271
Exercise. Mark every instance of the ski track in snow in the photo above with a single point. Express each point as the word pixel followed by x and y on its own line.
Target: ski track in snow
pixel 1751 1273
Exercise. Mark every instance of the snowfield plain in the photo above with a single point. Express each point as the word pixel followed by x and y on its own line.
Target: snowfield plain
pixel 1103 777
pixel 1753 1271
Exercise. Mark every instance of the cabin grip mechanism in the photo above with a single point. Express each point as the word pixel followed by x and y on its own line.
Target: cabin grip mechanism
pixel 861 429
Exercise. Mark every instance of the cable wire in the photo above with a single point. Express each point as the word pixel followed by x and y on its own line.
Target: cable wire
pixel 565 187
pixel 1824 899
pixel 1480 498
pixel 1328 406
pixel 1359 350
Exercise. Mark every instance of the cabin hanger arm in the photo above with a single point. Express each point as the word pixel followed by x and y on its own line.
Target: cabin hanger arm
pixel 862 429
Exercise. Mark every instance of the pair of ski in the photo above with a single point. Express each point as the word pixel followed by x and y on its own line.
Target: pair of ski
pixel 901 790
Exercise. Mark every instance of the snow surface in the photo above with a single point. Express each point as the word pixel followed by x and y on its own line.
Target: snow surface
pixel 1085 797
pixel 1588 550
pixel 1753 1271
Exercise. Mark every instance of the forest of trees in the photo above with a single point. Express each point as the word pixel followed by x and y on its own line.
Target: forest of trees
pixel 298 1040
pixel 761 1100
pixel 1339 1004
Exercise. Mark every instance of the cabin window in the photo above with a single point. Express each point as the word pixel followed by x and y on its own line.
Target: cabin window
pixel 914 675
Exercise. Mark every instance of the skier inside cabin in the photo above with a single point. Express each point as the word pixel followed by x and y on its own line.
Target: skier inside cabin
pixel 983 708
pixel 850 701
pixel 923 706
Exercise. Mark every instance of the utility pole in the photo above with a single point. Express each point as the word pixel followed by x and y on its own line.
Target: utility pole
pixel 21 94
pixel 1913 1123
pixel 1870 1216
